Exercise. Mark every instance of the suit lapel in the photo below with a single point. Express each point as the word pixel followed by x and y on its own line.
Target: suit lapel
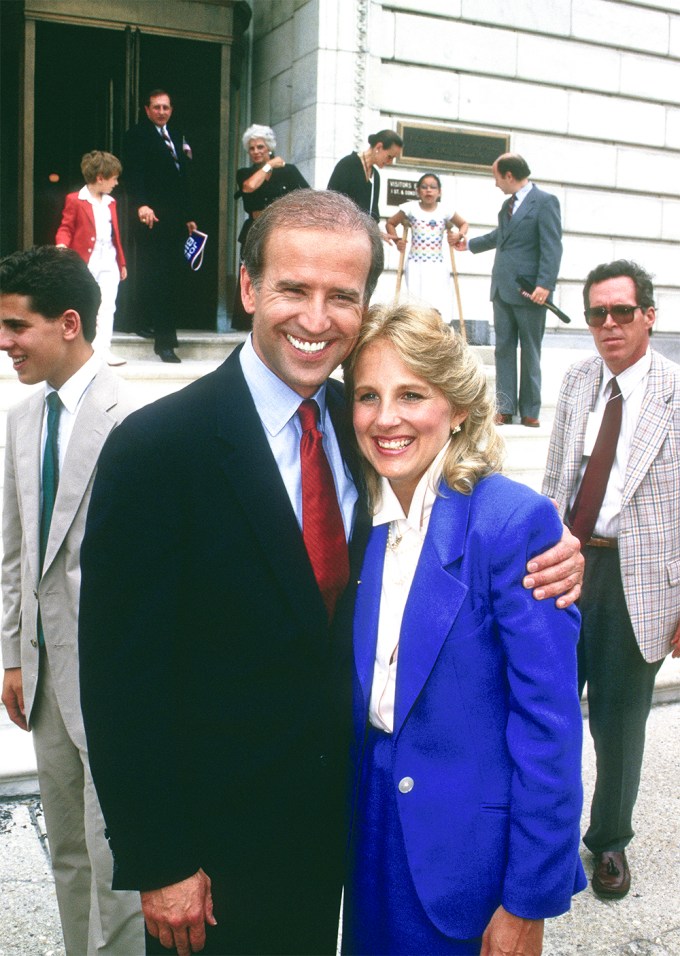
pixel 92 427
pixel 582 403
pixel 27 467
pixel 650 431
pixel 246 460
pixel 89 214
pixel 434 600
pixel 366 614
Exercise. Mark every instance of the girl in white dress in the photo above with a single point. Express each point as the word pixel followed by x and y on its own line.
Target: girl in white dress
pixel 428 273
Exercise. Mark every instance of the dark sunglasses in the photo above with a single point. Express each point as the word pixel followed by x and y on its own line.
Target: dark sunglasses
pixel 621 314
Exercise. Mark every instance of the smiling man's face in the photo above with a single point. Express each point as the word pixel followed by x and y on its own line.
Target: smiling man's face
pixel 308 308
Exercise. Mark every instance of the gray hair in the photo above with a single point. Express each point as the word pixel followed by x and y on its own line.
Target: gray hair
pixel 259 132
pixel 313 209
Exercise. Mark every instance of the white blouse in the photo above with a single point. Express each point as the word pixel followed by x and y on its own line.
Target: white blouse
pixel 404 544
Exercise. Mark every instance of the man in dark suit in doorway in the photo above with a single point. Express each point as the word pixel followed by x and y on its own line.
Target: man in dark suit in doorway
pixel 156 158
pixel 216 685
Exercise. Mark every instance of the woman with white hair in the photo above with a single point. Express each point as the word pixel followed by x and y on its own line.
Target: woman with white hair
pixel 268 178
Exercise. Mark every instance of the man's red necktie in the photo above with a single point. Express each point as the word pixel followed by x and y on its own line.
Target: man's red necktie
pixel 322 528
pixel 594 484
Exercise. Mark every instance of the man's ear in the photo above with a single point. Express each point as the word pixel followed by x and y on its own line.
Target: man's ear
pixel 71 325
pixel 248 294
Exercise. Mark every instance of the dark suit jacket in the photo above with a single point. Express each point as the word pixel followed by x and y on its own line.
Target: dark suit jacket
pixel 216 699
pixel 487 720
pixel 528 244
pixel 150 176
pixel 349 178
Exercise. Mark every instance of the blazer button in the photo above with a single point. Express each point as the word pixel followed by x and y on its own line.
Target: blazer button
pixel 406 785
pixel 34 643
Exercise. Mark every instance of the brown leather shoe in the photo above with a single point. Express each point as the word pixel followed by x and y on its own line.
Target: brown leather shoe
pixel 611 877
pixel 503 419
pixel 531 422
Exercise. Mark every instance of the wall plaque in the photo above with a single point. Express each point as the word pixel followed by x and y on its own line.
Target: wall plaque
pixel 400 190
pixel 450 148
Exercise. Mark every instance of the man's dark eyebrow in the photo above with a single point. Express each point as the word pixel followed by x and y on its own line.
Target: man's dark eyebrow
pixel 284 284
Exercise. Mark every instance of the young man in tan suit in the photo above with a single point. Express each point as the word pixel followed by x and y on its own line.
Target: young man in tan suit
pixel 48 310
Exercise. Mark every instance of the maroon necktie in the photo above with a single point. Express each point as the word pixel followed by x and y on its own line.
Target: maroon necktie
pixel 322 528
pixel 168 142
pixel 594 484
pixel 511 205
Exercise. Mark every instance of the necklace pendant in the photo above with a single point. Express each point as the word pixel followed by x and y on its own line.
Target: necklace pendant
pixel 394 539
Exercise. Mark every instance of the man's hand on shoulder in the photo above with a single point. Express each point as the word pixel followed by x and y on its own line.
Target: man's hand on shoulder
pixel 176 915
pixel 13 696
pixel 509 935
pixel 557 572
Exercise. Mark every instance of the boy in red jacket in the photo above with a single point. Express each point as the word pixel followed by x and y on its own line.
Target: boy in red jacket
pixel 89 225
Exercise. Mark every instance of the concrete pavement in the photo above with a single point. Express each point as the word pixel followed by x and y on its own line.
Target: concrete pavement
pixel 645 923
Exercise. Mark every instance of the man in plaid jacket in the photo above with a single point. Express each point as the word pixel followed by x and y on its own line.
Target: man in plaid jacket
pixel 630 602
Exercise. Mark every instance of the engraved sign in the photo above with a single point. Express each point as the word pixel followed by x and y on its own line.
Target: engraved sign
pixel 400 190
pixel 450 148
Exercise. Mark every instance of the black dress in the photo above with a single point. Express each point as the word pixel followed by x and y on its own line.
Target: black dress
pixel 282 180
pixel 349 178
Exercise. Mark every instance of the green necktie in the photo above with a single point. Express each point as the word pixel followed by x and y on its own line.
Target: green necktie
pixel 50 471
pixel 50 481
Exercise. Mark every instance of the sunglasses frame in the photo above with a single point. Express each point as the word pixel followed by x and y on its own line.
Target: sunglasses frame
pixel 619 314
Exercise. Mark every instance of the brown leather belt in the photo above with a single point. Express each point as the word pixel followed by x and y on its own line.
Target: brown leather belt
pixel 602 543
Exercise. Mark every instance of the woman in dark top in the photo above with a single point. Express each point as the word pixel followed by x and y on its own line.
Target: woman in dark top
pixel 357 175
pixel 259 185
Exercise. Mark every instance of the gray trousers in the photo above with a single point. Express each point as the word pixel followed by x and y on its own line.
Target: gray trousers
pixel 95 919
pixel 620 685
pixel 524 324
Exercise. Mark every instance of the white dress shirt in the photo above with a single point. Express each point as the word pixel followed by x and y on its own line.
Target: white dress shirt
pixel 405 542
pixel 521 195
pixel 102 218
pixel 71 394
pixel 633 383
pixel 277 406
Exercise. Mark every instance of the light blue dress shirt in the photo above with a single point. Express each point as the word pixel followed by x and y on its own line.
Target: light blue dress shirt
pixel 277 406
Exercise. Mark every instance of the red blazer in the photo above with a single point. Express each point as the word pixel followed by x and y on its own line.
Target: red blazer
pixel 77 229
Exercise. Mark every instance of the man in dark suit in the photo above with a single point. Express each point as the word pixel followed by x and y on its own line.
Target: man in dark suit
pixel 156 158
pixel 215 690
pixel 528 243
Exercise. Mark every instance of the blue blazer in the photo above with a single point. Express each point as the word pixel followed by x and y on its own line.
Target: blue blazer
pixel 487 716
pixel 528 244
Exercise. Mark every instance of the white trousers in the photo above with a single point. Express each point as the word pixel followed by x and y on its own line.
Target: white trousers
pixel 104 268
pixel 95 919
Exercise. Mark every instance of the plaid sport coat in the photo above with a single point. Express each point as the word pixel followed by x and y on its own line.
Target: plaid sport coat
pixel 649 530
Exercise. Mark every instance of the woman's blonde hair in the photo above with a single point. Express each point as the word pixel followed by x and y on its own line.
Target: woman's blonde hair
pixel 437 354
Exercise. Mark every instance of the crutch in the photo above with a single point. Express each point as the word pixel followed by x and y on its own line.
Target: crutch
pixel 457 288
pixel 400 268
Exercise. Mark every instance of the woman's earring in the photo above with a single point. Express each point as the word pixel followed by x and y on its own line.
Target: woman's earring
pixel 454 431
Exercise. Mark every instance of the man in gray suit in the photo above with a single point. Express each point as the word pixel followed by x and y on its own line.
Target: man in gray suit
pixel 48 310
pixel 614 470
pixel 528 243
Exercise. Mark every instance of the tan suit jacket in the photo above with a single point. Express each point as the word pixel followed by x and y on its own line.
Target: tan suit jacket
pixel 57 591
pixel 649 530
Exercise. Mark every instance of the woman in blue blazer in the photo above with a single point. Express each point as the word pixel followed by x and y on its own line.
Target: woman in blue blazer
pixel 467 720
